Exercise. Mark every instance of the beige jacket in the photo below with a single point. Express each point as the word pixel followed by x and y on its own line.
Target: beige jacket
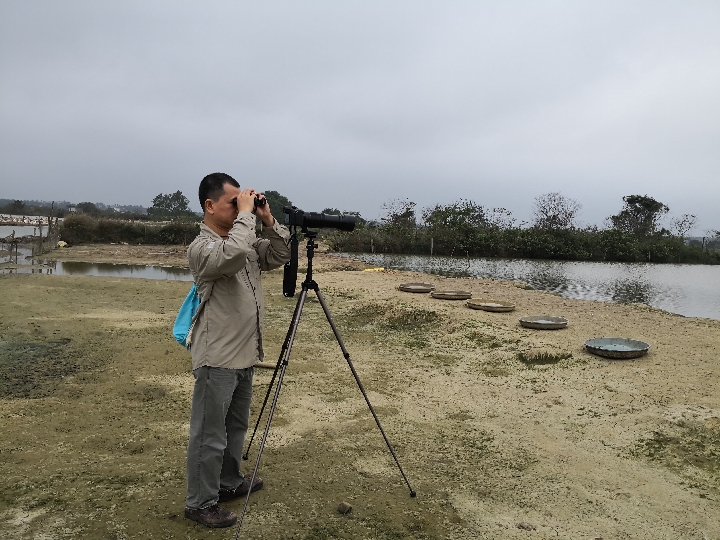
pixel 228 330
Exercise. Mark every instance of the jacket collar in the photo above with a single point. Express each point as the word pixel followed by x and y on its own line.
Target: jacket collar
pixel 209 232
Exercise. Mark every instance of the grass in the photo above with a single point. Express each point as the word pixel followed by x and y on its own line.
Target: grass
pixel 408 325
pixel 482 340
pixel 689 448
pixel 542 358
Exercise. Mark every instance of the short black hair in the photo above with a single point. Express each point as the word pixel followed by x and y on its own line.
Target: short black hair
pixel 213 186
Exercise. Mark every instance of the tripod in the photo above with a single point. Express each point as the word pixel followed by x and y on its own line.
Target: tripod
pixel 283 359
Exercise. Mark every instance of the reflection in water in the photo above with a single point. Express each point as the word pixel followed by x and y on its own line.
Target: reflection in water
pixel 628 290
pixel 691 290
pixel 548 278
pixel 74 268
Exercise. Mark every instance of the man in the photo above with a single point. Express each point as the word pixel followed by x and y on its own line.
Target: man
pixel 226 259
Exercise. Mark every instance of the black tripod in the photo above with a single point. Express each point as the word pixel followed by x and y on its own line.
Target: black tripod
pixel 283 359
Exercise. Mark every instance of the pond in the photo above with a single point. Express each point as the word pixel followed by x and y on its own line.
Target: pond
pixel 689 290
pixel 21 230
pixel 72 268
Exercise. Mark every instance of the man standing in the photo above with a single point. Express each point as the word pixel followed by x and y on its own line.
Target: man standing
pixel 226 259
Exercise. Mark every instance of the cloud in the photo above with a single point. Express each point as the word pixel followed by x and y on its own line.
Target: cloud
pixel 351 104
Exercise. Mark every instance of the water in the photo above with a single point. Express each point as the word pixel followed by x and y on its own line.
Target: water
pixel 71 268
pixel 20 230
pixel 690 290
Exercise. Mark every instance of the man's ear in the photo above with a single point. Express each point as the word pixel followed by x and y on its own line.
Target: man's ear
pixel 209 206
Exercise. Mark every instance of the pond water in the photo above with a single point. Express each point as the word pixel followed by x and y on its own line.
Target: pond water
pixel 20 230
pixel 690 290
pixel 71 268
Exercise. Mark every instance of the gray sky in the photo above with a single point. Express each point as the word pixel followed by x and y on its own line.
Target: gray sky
pixel 351 104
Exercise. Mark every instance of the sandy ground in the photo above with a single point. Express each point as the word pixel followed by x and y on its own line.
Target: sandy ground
pixel 122 253
pixel 504 432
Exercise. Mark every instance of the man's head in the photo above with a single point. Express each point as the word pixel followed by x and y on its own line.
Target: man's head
pixel 218 197
pixel 213 186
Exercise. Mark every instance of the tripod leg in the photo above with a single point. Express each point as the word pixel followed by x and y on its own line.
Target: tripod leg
pixel 346 354
pixel 291 337
pixel 272 381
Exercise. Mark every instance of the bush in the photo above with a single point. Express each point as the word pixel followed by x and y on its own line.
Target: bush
pixel 535 243
pixel 81 228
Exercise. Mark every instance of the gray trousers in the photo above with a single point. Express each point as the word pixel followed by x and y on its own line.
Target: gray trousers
pixel 218 425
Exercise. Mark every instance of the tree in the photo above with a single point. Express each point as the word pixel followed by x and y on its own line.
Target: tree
pixel 455 226
pixel 399 213
pixel 16 207
pixel 640 215
pixel 683 224
pixel 88 208
pixel 463 214
pixel 712 239
pixel 277 202
pixel 499 219
pixel 555 211
pixel 171 204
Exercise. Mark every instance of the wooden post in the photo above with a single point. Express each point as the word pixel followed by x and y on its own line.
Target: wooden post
pixel 432 242
pixel 40 238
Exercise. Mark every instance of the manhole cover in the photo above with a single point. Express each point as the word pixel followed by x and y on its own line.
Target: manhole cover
pixel 417 287
pixel 619 348
pixel 543 322
pixel 490 305
pixel 451 295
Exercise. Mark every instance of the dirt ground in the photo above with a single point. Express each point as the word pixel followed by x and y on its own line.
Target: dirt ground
pixel 504 432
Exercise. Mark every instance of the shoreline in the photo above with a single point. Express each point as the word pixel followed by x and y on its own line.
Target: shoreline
pixel 175 256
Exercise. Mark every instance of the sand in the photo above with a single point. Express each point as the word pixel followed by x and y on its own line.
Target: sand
pixel 503 432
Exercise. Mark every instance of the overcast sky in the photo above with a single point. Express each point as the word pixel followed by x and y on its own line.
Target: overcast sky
pixel 351 104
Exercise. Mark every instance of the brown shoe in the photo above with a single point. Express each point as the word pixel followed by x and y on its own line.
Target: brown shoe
pixel 242 489
pixel 214 516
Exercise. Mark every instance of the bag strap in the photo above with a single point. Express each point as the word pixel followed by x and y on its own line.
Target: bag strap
pixel 203 301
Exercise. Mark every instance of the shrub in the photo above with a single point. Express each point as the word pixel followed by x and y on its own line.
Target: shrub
pixel 81 228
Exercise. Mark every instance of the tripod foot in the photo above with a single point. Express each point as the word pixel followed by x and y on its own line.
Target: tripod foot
pixel 413 494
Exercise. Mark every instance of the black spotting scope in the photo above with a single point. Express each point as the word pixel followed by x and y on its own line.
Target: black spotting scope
pixel 314 220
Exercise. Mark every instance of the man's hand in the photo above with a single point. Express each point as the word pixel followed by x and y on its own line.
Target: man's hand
pixel 263 212
pixel 246 200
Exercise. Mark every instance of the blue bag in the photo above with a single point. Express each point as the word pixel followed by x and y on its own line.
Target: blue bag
pixel 186 316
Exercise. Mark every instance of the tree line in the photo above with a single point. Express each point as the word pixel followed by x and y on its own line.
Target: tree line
pixel 168 221
pixel 466 228
pixel 462 228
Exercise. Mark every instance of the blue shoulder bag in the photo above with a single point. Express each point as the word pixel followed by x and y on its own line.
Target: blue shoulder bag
pixel 186 317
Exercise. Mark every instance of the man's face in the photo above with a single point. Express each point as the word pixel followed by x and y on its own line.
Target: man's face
pixel 224 211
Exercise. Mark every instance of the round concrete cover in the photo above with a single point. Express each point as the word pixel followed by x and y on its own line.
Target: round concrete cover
pixel 619 348
pixel 490 305
pixel 543 322
pixel 451 295
pixel 416 287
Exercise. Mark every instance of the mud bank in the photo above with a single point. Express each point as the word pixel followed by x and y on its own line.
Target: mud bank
pixel 95 396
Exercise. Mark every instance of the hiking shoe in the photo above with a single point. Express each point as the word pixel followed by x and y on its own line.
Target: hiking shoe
pixel 214 516
pixel 242 489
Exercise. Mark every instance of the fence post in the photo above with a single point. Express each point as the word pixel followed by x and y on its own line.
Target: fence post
pixel 432 245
